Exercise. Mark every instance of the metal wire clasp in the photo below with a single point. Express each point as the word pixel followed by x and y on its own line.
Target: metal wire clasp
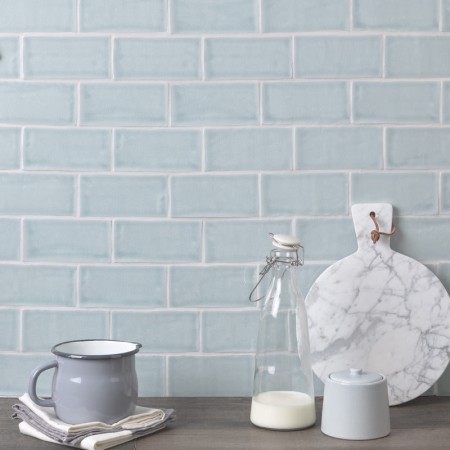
pixel 270 261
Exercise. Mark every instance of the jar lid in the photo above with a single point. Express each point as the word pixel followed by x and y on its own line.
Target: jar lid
pixel 355 376
pixel 285 241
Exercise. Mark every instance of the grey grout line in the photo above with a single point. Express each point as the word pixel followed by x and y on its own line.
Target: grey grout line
pixel 77 286
pixel 77 16
pixel 169 16
pixel 350 91
pixel 21 58
pixel 166 375
pixel 21 149
pixel 21 241
pixel 351 15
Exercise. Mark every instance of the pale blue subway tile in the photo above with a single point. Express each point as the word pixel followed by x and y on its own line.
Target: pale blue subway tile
pixel 418 148
pixel 37 103
pixel 37 285
pixel 67 149
pixel 398 15
pixel 215 104
pixel 338 56
pixel 306 102
pixel 158 331
pixel 10 148
pixel 123 15
pixel 445 15
pixel 446 100
pixel 298 194
pixel 215 196
pixel 61 57
pixel 318 386
pixel 158 151
pixel 339 148
pixel 241 241
pixel 35 194
pixel 9 330
pixel 191 376
pixel 248 58
pixel 443 274
pixel 216 286
pixel 248 149
pixel 37 16
pixel 158 241
pixel 396 102
pixel 225 331
pixel 328 239
pixel 151 375
pixel 409 193
pixel 305 15
pixel 128 287
pixel 422 238
pixel 10 239
pixel 9 57
pixel 309 272
pixel 123 104
pixel 445 193
pixel 210 16
pixel 417 56
pixel 433 268
pixel 443 384
pixel 163 59
pixel 67 240
pixel 120 195
pixel 16 370
pixel 43 329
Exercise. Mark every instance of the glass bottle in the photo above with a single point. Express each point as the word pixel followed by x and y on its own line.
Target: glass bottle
pixel 283 392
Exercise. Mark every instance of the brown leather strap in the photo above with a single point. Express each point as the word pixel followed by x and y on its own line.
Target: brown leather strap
pixel 375 234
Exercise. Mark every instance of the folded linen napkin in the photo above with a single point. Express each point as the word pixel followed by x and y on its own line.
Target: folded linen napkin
pixel 41 422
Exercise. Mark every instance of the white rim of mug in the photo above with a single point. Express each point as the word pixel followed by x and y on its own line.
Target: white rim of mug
pixel 73 355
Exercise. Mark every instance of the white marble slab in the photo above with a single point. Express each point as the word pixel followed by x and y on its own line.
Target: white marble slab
pixel 380 311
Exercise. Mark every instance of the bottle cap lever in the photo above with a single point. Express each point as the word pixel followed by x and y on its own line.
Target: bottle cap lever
pixel 283 242
pixel 270 263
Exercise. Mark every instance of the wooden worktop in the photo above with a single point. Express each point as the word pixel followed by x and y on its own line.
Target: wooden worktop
pixel 223 423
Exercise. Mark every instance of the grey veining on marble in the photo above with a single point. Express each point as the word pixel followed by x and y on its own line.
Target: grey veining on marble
pixel 380 311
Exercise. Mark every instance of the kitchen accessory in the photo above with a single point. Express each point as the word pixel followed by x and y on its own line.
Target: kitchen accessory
pixel 356 405
pixel 380 310
pixel 94 381
pixel 283 394
pixel 41 422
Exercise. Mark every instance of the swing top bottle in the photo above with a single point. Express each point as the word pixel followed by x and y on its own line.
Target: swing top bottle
pixel 283 392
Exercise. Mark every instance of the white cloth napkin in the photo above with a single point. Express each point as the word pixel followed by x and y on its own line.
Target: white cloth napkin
pixel 42 423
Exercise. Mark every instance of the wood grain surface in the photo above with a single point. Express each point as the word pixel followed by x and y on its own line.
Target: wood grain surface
pixel 223 424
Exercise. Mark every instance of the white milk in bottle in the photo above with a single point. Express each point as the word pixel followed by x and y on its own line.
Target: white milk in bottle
pixel 283 410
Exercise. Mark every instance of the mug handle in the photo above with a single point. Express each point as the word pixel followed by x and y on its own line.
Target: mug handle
pixel 33 380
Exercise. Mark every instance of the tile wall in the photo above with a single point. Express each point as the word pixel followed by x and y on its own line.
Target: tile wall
pixel 147 147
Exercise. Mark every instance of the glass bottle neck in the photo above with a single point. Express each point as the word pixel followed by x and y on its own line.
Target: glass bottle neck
pixel 284 257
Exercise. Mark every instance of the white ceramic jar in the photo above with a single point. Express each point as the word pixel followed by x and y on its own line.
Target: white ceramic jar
pixel 356 405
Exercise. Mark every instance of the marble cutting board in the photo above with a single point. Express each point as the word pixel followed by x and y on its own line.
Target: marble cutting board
pixel 380 311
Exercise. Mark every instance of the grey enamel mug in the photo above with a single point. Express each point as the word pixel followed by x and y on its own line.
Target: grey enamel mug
pixel 94 381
